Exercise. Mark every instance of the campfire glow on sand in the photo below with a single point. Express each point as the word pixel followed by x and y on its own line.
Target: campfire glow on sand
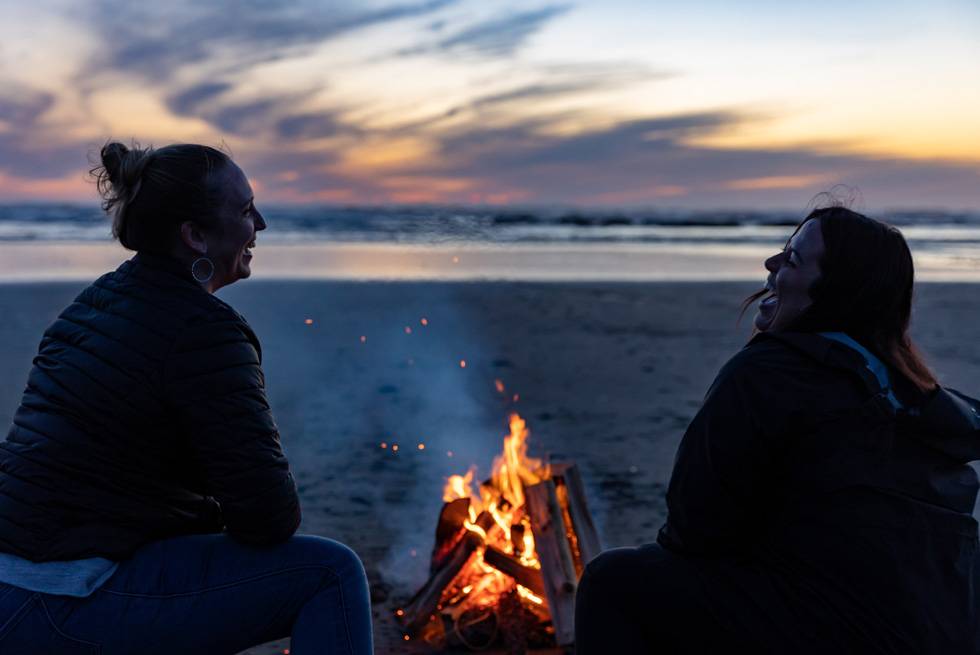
pixel 508 555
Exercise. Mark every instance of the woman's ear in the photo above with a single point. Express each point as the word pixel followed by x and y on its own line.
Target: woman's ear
pixel 193 238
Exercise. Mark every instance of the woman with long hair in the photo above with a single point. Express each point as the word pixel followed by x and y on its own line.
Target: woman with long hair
pixel 821 500
pixel 146 504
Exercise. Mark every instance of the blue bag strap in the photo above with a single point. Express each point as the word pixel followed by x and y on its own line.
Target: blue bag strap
pixel 874 364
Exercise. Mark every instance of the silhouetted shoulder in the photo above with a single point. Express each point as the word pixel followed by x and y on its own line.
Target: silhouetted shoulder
pixel 768 356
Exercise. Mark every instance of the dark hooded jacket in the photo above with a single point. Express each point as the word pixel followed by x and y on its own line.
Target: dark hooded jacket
pixel 144 417
pixel 824 521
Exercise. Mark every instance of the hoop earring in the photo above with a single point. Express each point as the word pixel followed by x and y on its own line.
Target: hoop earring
pixel 194 267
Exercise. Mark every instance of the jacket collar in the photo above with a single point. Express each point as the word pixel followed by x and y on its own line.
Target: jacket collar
pixel 821 349
pixel 165 264
pixel 826 352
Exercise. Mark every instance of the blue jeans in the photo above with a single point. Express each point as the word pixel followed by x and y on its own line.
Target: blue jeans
pixel 203 594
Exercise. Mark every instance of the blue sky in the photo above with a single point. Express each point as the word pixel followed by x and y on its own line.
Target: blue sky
pixel 695 104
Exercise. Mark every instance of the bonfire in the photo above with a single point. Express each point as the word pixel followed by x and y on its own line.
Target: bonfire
pixel 508 555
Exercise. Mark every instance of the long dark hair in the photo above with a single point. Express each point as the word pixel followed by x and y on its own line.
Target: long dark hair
pixel 864 289
pixel 149 192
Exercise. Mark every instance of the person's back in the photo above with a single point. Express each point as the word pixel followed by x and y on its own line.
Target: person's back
pixel 821 500
pixel 143 483
pixel 118 380
pixel 865 510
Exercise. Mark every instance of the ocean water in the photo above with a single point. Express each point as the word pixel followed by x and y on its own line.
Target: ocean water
pixel 507 243
pixel 435 224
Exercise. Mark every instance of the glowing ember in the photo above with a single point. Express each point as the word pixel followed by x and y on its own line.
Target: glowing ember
pixel 394 448
pixel 421 446
pixel 424 321
pixel 309 321
pixel 462 363
pixel 499 385
pixel 408 329
pixel 363 339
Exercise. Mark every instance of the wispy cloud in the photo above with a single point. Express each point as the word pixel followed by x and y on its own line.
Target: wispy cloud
pixel 646 161
pixel 309 126
pixel 188 101
pixel 155 41
pixel 500 36
pixel 23 151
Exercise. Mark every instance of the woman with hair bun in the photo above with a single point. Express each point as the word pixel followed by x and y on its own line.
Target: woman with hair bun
pixel 821 499
pixel 146 505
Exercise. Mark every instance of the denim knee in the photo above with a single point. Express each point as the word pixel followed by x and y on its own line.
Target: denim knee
pixel 338 558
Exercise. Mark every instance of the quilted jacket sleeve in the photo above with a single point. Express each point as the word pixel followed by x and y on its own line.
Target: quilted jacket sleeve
pixel 215 386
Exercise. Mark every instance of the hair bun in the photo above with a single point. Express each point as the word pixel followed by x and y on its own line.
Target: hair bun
pixel 113 155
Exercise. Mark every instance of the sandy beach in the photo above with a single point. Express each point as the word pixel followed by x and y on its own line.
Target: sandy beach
pixel 607 374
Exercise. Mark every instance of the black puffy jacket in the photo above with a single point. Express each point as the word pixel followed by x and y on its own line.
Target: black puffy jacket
pixel 822 520
pixel 144 417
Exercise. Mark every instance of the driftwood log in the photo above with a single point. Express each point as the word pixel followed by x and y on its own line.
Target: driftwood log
pixel 571 496
pixel 423 605
pixel 510 565
pixel 555 554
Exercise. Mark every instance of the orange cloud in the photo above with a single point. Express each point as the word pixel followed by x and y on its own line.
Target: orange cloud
pixel 71 187
pixel 777 182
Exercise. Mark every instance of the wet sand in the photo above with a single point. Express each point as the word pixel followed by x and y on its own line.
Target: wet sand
pixel 608 374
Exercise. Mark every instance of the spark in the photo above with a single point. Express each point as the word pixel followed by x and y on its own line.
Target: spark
pixel 394 448
pixel 408 329
pixel 406 637
pixel 384 444
pixel 462 363
pixel 517 397
pixel 421 446
pixel 399 612
pixel 309 321
pixel 449 453
pixel 499 385
pixel 424 321
pixel 363 339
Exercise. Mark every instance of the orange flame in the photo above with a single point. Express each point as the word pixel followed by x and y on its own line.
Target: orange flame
pixel 458 486
pixel 478 584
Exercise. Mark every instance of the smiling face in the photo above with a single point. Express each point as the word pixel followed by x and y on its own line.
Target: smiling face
pixel 229 245
pixel 792 273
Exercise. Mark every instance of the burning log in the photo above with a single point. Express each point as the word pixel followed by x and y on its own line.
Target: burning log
pixel 510 565
pixel 451 521
pixel 421 607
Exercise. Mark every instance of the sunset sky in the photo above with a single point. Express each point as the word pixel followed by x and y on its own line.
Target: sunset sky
pixel 709 104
